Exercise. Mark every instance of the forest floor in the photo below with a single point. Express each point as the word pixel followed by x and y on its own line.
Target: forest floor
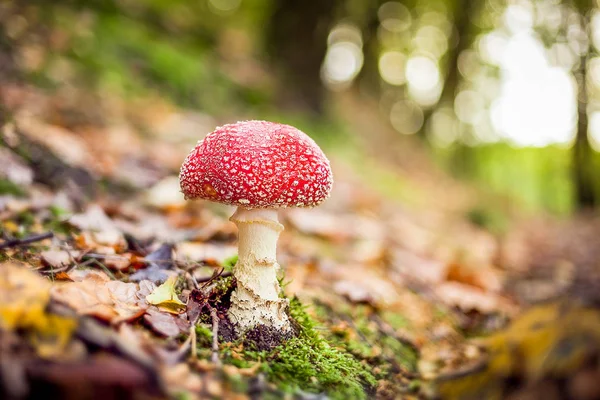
pixel 111 283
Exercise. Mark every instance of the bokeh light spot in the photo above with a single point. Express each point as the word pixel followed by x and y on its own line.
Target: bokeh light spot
pixel 392 67
pixel 406 117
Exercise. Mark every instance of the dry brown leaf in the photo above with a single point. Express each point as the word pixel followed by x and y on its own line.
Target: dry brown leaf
pixel 364 285
pixel 69 146
pixel 93 219
pixel 93 293
pixel 469 298
pixel 420 269
pixel 80 275
pixel 207 252
pixel 486 278
pixel 99 232
pixel 166 324
pixel 56 258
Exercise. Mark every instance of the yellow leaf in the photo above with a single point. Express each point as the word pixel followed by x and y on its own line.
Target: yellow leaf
pixel 24 296
pixel 165 297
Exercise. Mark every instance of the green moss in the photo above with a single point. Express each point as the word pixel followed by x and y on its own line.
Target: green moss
pixel 365 333
pixel 308 362
pixel 396 321
pixel 203 335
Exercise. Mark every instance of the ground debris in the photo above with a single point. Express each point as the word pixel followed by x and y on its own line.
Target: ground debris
pixel 552 343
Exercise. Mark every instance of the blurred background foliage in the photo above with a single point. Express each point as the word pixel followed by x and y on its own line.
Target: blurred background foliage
pixel 502 92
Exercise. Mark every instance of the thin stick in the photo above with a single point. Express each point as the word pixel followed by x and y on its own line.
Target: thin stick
pixel 215 337
pixel 194 342
pixel 93 261
pixel 186 346
pixel 191 280
pixel 25 241
pixel 216 274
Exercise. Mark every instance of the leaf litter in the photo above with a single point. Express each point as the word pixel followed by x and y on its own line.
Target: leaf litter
pixel 138 283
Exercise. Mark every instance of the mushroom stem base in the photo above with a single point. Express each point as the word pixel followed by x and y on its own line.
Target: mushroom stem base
pixel 256 299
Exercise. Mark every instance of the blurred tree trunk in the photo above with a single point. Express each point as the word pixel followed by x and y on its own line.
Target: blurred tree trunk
pixel 368 79
pixel 297 42
pixel 463 12
pixel 582 162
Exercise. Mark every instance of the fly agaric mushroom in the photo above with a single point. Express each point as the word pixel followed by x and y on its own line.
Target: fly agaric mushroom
pixel 259 167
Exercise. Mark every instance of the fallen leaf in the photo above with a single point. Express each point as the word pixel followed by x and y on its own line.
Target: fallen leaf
pixel 118 262
pixel 212 254
pixel 166 324
pixel 165 297
pixel 161 257
pixel 98 230
pixel 468 298
pixel 423 270
pixel 56 258
pixel 166 194
pixel 157 262
pixel 14 169
pixel 484 277
pixel 93 219
pixel 93 293
pixel 24 296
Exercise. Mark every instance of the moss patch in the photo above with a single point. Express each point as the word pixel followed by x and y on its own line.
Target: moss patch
pixel 308 362
pixel 370 336
pixel 303 361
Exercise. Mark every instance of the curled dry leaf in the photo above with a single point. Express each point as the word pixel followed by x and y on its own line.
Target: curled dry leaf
pixel 166 324
pixel 93 293
pixel 484 277
pixel 365 286
pixel 56 258
pixel 468 298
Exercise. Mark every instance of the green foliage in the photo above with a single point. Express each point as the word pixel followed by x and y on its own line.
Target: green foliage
pixel 489 218
pixel 10 188
pixel 230 262
pixel 537 178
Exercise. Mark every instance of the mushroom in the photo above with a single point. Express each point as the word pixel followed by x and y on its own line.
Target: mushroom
pixel 259 167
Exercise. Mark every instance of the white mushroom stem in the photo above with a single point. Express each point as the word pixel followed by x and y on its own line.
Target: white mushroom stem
pixel 256 299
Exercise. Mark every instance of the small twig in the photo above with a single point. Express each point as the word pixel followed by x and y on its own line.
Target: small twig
pixel 216 274
pixel 187 346
pixel 215 337
pixel 194 341
pixel 95 261
pixel 25 241
pixel 191 280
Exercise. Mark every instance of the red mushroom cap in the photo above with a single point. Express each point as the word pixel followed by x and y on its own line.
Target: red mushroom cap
pixel 257 164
